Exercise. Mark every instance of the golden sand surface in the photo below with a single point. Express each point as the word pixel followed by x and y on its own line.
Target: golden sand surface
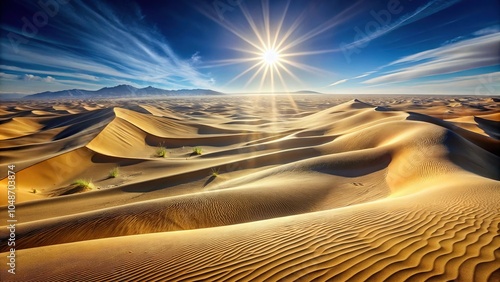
pixel 285 188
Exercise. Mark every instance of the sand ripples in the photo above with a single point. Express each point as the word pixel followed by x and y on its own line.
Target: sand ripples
pixel 353 192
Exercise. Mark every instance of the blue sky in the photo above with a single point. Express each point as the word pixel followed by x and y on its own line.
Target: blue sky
pixel 345 47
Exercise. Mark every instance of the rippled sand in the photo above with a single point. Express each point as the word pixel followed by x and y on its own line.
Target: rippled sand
pixel 302 187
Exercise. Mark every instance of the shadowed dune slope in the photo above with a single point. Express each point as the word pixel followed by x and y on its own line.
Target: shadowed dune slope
pixel 355 191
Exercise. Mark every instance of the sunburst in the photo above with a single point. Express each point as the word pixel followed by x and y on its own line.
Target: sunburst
pixel 269 51
pixel 270 57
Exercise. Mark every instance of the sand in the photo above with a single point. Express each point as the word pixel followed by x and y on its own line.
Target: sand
pixel 291 188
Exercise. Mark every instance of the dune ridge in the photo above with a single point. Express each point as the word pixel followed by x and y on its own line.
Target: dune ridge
pixel 379 189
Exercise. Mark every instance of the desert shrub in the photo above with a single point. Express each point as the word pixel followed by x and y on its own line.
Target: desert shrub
pixel 161 152
pixel 197 151
pixel 114 173
pixel 215 172
pixel 84 184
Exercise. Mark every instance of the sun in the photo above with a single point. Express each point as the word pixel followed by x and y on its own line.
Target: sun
pixel 270 47
pixel 270 57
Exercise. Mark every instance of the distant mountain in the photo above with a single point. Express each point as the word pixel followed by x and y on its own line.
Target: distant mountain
pixel 307 92
pixel 279 93
pixel 120 91
pixel 11 96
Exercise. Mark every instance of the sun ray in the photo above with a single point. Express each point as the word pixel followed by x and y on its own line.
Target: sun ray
pixel 243 73
pixel 293 27
pixel 267 27
pixel 235 32
pixel 280 77
pixel 272 77
pixel 280 24
pixel 305 67
pixel 254 28
pixel 228 62
pixel 290 97
pixel 228 27
pixel 255 75
pixel 262 80
pixel 269 54
pixel 291 74
pixel 338 19
pixel 252 52
pixel 307 53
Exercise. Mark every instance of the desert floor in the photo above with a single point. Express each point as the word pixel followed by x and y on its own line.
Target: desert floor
pixel 301 187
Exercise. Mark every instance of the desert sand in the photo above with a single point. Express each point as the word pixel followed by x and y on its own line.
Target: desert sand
pixel 291 188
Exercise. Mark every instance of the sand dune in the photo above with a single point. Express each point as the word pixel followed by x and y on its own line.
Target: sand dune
pixel 309 188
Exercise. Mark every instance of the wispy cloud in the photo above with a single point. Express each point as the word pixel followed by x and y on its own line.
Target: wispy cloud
pixel 25 77
pixel 424 11
pixel 37 78
pixel 364 75
pixel 94 45
pixel 80 76
pixel 487 30
pixel 464 55
pixel 8 76
pixel 195 58
pixel 338 82
pixel 481 84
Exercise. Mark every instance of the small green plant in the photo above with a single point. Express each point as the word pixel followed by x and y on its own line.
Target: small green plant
pixel 197 151
pixel 83 184
pixel 114 173
pixel 215 172
pixel 161 152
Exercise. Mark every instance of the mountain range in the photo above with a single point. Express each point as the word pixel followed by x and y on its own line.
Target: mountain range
pixel 119 91
pixel 124 91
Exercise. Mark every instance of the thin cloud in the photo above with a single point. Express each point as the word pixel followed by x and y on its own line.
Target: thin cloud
pixel 121 48
pixel 8 76
pixel 195 58
pixel 364 75
pixel 424 11
pixel 31 77
pixel 338 82
pixel 49 79
pixel 347 79
pixel 464 55
pixel 484 31
pixel 487 30
pixel 481 84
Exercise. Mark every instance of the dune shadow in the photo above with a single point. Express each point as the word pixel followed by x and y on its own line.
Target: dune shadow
pixel 121 161
pixel 353 169
pixel 216 141
pixel 479 140
pixel 383 109
pixel 81 128
pixel 165 182
pixel 465 148
pixel 209 180
pixel 93 117
pixel 490 127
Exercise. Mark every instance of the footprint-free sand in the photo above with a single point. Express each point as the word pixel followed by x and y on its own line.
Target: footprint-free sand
pixel 286 188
